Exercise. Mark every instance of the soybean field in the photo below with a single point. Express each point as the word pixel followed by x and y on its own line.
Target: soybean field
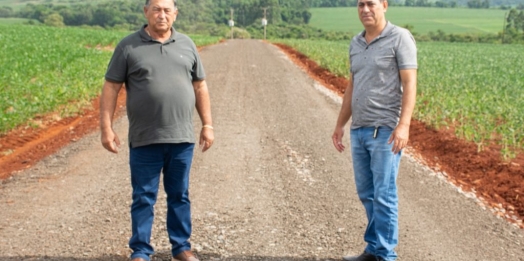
pixel 423 19
pixel 475 89
pixel 18 4
pixel 47 69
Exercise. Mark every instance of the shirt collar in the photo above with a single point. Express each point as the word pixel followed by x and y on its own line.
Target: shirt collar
pixel 388 29
pixel 146 37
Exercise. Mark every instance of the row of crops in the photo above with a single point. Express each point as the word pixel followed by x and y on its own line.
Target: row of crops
pixel 476 89
pixel 47 69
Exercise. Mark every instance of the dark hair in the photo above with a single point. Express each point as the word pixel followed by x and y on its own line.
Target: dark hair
pixel 149 1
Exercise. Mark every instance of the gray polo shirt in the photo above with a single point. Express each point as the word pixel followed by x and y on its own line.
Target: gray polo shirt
pixel 377 89
pixel 159 83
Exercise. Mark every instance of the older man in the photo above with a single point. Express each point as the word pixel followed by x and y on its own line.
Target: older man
pixel 380 99
pixel 164 79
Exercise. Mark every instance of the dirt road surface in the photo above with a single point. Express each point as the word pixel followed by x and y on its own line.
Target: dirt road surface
pixel 272 187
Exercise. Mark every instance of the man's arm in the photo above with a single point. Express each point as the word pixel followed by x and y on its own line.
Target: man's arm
pixel 203 106
pixel 108 101
pixel 343 116
pixel 400 135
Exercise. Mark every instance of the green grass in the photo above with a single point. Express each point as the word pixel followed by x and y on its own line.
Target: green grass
pixel 424 20
pixel 45 69
pixel 17 4
pixel 475 89
pixel 15 21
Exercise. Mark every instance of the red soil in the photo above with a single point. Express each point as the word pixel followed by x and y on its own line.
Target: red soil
pixel 498 183
pixel 23 147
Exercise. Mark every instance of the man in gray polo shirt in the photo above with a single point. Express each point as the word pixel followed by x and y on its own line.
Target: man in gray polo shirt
pixel 164 80
pixel 380 99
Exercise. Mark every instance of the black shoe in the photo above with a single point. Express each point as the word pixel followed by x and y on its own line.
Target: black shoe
pixel 364 257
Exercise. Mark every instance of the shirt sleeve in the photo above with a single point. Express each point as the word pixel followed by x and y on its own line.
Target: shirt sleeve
pixel 117 68
pixel 197 71
pixel 406 51
pixel 349 58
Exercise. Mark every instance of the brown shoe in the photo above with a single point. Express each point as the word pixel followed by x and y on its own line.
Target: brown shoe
pixel 138 259
pixel 185 256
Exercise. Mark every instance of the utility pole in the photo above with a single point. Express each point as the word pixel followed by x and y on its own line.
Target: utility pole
pixel 232 22
pixel 264 20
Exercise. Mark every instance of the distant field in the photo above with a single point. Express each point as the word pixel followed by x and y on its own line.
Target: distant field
pixel 14 20
pixel 17 4
pixel 449 20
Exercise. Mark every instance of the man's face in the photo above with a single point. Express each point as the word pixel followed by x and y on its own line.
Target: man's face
pixel 160 15
pixel 371 12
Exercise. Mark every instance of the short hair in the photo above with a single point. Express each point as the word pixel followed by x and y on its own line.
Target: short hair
pixel 149 1
pixel 381 1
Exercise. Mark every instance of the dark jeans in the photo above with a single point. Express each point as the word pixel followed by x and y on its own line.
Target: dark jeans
pixel 174 161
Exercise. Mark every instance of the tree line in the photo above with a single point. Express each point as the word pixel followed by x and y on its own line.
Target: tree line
pixel 286 19
pixel 203 16
pixel 514 27
pixel 127 12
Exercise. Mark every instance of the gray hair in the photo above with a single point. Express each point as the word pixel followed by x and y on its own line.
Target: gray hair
pixel 149 1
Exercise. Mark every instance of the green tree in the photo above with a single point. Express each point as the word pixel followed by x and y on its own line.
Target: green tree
pixel 441 4
pixel 6 11
pixel 55 20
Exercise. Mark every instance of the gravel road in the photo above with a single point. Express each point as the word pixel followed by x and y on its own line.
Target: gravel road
pixel 272 187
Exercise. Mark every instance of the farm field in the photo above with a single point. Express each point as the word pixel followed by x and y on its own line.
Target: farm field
pixel 41 75
pixel 17 4
pixel 15 20
pixel 475 89
pixel 424 20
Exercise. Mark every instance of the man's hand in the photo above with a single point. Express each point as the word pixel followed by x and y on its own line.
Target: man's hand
pixel 108 99
pixel 207 136
pixel 400 137
pixel 110 140
pixel 337 139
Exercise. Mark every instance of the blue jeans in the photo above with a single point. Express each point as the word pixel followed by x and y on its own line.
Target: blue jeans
pixel 376 171
pixel 174 161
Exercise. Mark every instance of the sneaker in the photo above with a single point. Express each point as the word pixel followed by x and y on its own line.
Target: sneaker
pixel 363 257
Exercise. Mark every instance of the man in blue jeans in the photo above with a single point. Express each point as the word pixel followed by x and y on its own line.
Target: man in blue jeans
pixel 380 99
pixel 164 81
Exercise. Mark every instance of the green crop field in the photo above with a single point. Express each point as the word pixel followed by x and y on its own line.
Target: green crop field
pixel 17 4
pixel 424 20
pixel 477 89
pixel 45 69
pixel 15 21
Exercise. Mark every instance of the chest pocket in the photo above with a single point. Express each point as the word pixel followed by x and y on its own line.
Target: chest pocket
pixel 356 61
pixel 385 59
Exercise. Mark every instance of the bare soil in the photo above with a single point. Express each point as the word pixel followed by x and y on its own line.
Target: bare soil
pixel 271 188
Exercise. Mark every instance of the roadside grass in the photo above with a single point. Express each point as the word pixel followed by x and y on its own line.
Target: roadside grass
pixel 45 69
pixel 424 19
pixel 475 89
